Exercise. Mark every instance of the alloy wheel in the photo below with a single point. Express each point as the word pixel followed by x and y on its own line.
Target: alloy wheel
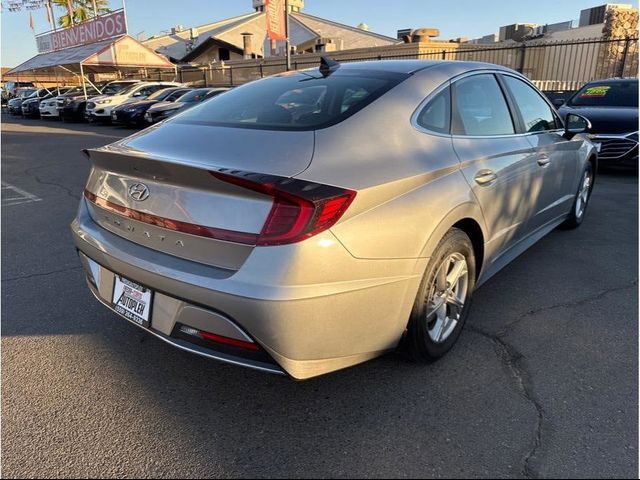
pixel 583 194
pixel 446 297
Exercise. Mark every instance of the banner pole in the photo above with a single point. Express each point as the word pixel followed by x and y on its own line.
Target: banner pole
pixel 126 24
pixel 286 26
pixel 50 11
pixel 84 86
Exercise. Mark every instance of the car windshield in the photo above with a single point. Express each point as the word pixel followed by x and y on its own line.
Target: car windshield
pixel 127 89
pixel 116 88
pixel 607 94
pixel 194 96
pixel 27 93
pixel 161 94
pixel 295 101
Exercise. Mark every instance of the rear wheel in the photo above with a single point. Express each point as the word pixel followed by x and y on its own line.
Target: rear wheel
pixel 443 301
pixel 576 216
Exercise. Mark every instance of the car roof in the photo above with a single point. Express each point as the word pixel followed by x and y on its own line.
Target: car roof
pixel 613 80
pixel 413 66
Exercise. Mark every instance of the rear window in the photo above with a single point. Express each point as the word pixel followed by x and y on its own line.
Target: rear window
pixel 614 94
pixel 294 101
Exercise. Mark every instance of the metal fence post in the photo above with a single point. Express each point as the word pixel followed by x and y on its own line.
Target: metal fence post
pixel 231 74
pixel 444 54
pixel 625 53
pixel 523 49
pixel 261 71
pixel 204 76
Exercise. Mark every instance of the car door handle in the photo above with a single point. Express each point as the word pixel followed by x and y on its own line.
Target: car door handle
pixel 544 160
pixel 485 177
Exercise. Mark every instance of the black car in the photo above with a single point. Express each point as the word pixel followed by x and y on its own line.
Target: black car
pixel 31 105
pixel 15 104
pixel 71 105
pixel 163 110
pixel 132 114
pixel 612 108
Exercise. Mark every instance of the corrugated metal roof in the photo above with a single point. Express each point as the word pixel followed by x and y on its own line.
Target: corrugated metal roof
pixel 96 53
pixel 68 56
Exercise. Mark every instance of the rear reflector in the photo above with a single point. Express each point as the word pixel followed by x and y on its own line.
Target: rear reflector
pixel 300 209
pixel 212 337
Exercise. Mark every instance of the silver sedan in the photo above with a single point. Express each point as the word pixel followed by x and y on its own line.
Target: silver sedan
pixel 316 219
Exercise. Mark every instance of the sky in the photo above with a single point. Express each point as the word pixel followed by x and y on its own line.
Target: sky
pixel 465 18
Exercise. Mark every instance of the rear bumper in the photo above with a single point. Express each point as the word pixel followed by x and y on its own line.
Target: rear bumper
pixel 307 330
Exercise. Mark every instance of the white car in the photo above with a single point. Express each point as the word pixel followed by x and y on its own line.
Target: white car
pixel 48 106
pixel 99 108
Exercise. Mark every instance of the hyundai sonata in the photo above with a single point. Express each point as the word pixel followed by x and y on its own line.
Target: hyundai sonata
pixel 313 220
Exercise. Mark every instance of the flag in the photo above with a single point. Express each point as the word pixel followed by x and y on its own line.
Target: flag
pixel 276 21
pixel 31 24
pixel 70 10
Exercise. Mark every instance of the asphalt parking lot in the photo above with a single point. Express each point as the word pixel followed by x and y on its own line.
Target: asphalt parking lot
pixel 543 383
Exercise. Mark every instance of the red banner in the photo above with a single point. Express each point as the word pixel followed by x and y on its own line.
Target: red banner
pixel 101 28
pixel 276 22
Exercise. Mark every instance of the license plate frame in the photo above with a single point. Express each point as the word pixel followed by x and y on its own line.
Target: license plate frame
pixel 132 300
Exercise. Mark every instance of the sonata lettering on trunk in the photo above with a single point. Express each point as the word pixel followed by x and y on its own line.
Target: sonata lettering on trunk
pixel 147 234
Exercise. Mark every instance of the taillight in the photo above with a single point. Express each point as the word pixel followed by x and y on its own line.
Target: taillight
pixel 300 209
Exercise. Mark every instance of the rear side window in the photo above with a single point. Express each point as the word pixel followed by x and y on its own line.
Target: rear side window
pixel 294 101
pixel 479 107
pixel 536 113
pixel 436 115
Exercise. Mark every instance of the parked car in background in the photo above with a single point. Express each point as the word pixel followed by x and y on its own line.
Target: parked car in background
pixel 31 105
pixel 163 110
pixel 11 87
pixel 132 114
pixel 72 107
pixel 15 104
pixel 72 104
pixel 49 106
pixel 99 108
pixel 293 243
pixel 612 108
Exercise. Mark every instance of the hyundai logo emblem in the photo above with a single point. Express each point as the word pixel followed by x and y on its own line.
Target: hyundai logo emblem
pixel 139 191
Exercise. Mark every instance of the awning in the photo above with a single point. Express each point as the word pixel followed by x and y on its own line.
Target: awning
pixel 114 54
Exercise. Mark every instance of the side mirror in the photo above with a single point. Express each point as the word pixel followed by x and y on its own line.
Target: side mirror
pixel 575 124
pixel 137 94
pixel 558 102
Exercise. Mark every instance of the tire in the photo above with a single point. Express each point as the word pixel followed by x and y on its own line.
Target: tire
pixel 581 202
pixel 433 331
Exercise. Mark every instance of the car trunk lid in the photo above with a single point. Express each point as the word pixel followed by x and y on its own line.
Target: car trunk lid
pixel 185 205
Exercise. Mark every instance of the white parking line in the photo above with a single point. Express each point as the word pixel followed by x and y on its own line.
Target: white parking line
pixel 16 196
